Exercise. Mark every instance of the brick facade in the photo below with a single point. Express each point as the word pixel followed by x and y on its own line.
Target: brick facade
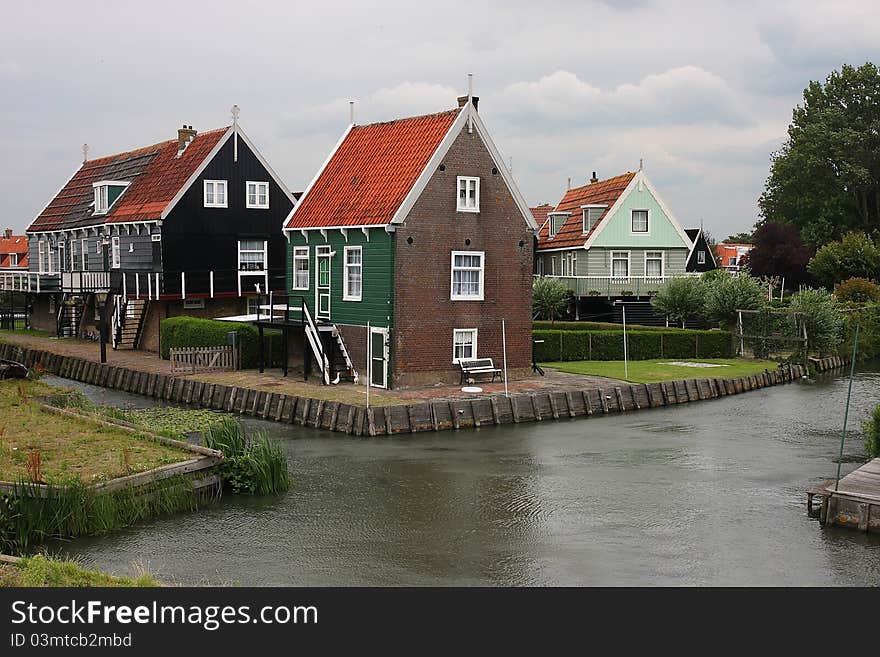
pixel 424 315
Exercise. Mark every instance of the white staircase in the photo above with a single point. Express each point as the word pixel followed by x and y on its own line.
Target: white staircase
pixel 127 321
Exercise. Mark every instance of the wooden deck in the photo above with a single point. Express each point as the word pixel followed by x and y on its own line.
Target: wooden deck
pixel 855 503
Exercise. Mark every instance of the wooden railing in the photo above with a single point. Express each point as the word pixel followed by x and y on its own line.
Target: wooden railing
pixel 202 359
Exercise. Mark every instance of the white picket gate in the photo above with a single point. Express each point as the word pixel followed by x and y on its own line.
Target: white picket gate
pixel 202 359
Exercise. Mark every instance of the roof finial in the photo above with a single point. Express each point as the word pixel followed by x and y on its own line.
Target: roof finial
pixel 351 112
pixel 641 162
pixel 235 112
pixel 85 153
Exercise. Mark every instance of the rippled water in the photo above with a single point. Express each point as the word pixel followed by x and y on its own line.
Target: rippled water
pixel 706 493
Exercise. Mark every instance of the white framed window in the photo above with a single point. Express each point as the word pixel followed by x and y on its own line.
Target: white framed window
pixel 256 194
pixel 540 266
pixel 467 275
pixel 653 264
pixel 41 256
pixel 556 221
pixel 193 304
pixel 251 255
pixel 85 254
pixel 50 257
pixel 553 265
pixel 13 259
pixel 701 257
pixel 569 263
pixel 114 252
pixel 468 194
pixel 106 194
pixel 731 261
pixel 75 261
pixel 354 273
pixel 640 222
pixel 592 214
pixel 620 264
pixel 464 345
pixel 101 200
pixel 62 256
pixel 300 268
pixel 215 193
pixel 253 306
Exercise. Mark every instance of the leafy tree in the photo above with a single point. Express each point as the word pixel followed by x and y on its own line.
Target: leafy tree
pixel 681 299
pixel 855 255
pixel 825 323
pixel 779 252
pixel 825 180
pixel 725 295
pixel 549 297
pixel 738 238
pixel 857 290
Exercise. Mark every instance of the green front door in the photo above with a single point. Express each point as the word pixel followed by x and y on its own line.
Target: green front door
pixel 378 358
pixel 322 288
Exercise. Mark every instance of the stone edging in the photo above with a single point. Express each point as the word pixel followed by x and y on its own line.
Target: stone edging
pixel 431 415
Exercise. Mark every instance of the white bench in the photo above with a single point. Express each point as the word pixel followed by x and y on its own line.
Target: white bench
pixel 478 366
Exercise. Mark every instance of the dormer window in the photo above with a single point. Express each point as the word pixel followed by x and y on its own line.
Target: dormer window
pixel 106 194
pixel 556 222
pixel 592 214
pixel 468 194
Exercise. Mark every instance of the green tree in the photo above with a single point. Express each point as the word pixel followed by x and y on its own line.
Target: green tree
pixel 680 299
pixel 824 321
pixel 725 295
pixel 738 238
pixel 825 180
pixel 549 297
pixel 855 256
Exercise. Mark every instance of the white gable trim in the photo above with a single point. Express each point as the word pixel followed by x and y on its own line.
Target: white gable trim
pixel 196 173
pixel 323 166
pixel 639 179
pixel 694 246
pixel 265 164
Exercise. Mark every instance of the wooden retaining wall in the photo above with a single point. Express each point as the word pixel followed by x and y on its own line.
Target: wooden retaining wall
pixel 428 415
pixel 828 363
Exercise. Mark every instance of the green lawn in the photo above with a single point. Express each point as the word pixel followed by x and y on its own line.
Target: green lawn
pixel 652 371
pixel 41 571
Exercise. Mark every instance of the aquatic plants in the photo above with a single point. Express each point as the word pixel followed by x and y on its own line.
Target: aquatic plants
pixel 253 465
pixel 871 430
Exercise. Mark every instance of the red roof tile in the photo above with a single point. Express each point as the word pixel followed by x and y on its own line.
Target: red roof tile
pixel 540 213
pixel 371 172
pixel 156 175
pixel 604 192
pixel 16 244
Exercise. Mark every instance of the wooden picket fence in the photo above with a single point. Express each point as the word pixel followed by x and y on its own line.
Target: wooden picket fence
pixel 202 359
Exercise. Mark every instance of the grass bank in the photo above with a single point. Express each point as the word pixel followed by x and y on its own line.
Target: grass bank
pixel 42 571
pixel 662 369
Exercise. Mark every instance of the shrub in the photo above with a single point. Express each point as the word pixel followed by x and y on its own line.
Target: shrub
pixel 824 321
pixel 855 255
pixel 857 290
pixel 592 326
pixel 177 332
pixel 871 429
pixel 566 345
pixel 868 319
pixel 680 299
pixel 253 465
pixel 549 297
pixel 727 294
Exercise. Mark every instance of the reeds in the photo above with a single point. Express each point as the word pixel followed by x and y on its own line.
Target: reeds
pixel 252 464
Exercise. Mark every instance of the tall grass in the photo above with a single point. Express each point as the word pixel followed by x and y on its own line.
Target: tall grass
pixel 252 464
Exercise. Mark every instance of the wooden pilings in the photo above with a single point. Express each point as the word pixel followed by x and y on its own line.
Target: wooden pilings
pixel 428 415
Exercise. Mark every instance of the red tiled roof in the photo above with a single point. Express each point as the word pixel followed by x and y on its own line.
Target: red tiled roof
pixel 371 172
pixel 15 244
pixel 604 192
pixel 540 213
pixel 156 175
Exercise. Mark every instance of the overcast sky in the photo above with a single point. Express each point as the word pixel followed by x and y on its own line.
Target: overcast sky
pixel 702 91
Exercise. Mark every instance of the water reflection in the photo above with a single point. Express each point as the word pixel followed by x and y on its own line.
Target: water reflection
pixel 708 493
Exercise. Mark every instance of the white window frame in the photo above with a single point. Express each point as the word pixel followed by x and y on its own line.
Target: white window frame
pixel 115 256
pixel 455 332
pixel 263 251
pixel 569 263
pixel 84 249
pixel 482 269
pixel 13 260
pixel 75 262
pixel 346 293
pixel 247 194
pixel 662 263
pixel 466 181
pixel 193 304
pixel 253 305
pixel 551 232
pixel 50 257
pixel 301 253
pixel 647 230
pixel 62 256
pixel 628 264
pixel 701 257
pixel 41 256
pixel 214 184
pixel 102 194
pixel 586 208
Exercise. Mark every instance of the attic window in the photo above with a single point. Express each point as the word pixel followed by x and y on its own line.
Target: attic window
pixel 556 222
pixel 592 214
pixel 468 194
pixel 106 194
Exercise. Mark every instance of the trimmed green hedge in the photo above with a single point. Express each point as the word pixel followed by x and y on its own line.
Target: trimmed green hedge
pixel 561 345
pixel 591 326
pixel 177 332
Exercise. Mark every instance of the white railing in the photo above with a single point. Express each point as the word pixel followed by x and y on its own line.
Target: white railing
pixel 85 281
pixel 616 286
pixel 20 281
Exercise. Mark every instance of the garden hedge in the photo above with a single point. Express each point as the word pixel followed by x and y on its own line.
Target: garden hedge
pixel 563 345
pixel 542 325
pixel 177 332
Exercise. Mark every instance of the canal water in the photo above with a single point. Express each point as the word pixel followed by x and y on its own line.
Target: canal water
pixel 709 493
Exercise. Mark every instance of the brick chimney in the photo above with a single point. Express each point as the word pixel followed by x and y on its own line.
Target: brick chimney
pixel 185 135
pixel 594 179
pixel 7 233
pixel 462 101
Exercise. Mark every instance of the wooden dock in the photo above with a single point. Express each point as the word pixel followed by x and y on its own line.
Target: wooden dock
pixel 855 503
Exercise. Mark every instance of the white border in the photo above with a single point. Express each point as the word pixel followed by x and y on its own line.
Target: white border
pixel 293 260
pixel 225 203
pixel 482 294
pixel 256 206
pixel 466 179
pixel 456 331
pixel 345 266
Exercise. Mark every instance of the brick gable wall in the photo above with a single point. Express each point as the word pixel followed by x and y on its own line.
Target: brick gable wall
pixel 424 315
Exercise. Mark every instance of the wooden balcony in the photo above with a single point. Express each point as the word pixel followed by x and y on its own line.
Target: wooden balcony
pixel 617 286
